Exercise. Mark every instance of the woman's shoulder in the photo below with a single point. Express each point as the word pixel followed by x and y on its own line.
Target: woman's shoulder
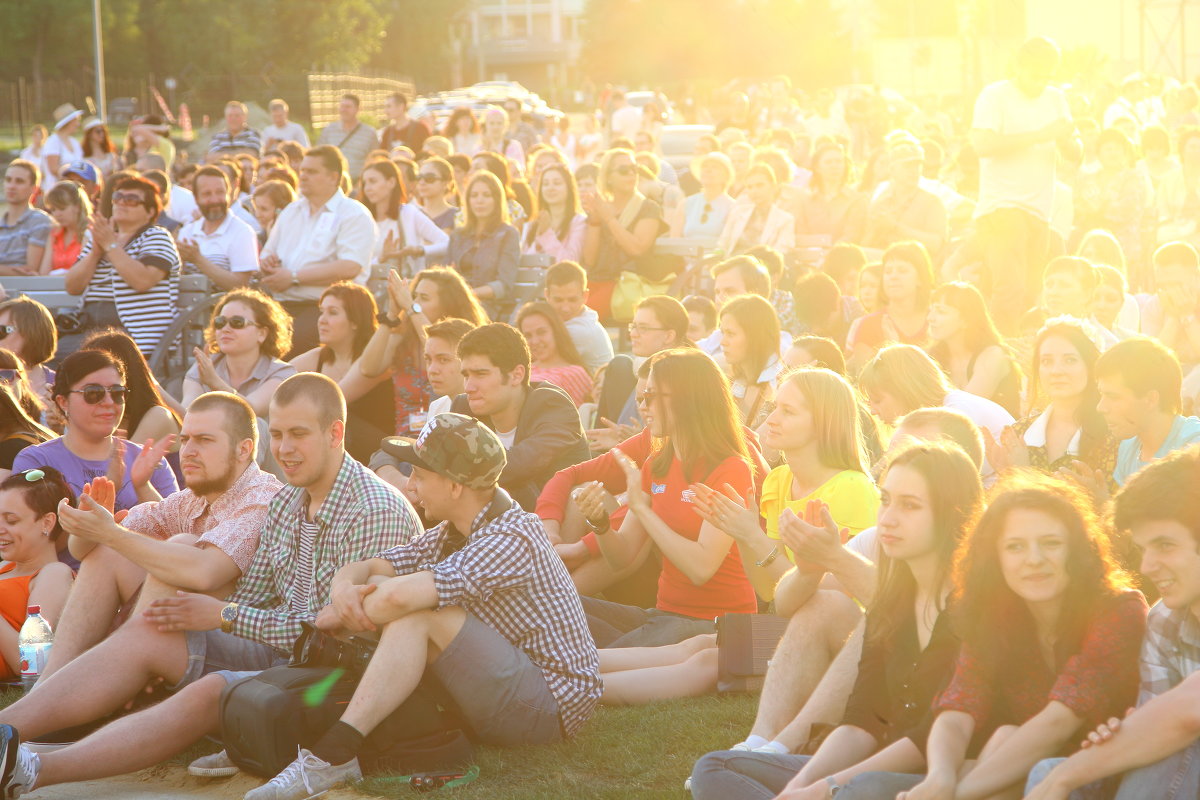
pixel 277 368
pixel 777 479
pixel 308 361
pixel 54 571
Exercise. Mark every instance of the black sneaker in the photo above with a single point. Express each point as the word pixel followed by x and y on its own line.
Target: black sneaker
pixel 21 766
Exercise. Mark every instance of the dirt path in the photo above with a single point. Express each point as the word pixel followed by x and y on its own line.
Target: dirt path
pixel 165 783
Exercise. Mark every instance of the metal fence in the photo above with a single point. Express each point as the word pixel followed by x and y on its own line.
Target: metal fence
pixel 325 89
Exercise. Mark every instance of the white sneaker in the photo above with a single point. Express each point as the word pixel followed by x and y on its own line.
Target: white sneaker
pixel 214 765
pixel 306 777
pixel 21 766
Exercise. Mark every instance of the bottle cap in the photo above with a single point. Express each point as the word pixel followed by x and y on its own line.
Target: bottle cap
pixel 35 610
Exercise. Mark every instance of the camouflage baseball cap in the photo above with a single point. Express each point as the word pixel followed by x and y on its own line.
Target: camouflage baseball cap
pixel 456 446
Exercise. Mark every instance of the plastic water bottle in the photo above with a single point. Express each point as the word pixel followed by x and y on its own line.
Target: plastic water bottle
pixel 34 642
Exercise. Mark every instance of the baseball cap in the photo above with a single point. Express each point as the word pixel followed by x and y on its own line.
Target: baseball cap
pixel 83 169
pixel 455 446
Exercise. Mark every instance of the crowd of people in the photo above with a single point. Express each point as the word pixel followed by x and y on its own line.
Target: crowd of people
pixel 928 399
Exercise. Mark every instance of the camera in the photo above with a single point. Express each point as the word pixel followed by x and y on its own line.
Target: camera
pixel 315 648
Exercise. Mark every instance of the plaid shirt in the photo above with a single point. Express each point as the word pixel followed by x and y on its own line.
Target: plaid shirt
pixel 1170 651
pixel 509 576
pixel 360 515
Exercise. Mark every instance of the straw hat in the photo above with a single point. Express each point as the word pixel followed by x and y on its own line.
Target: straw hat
pixel 64 114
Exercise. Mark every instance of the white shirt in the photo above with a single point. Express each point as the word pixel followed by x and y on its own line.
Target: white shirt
pixel 291 132
pixel 507 438
pixel 1022 179
pixel 1035 434
pixel 342 230
pixel 590 338
pixel 232 246
pixel 183 204
pixel 67 150
pixel 415 229
pixel 983 412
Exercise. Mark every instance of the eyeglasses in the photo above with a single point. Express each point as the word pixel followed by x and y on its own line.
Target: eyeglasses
pixel 237 323
pixel 426 177
pixel 704 215
pixel 624 169
pixel 649 396
pixel 10 375
pixel 640 329
pixel 94 393
pixel 5 330
pixel 128 199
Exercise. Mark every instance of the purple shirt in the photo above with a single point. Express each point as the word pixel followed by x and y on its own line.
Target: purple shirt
pixel 79 471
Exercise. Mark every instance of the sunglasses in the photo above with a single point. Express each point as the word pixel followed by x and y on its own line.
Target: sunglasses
pixel 5 330
pixel 426 177
pixel 128 199
pixel 647 397
pixel 707 211
pixel 94 393
pixel 10 375
pixel 624 169
pixel 640 329
pixel 237 323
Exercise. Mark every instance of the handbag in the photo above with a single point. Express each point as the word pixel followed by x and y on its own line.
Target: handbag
pixel 745 644
pixel 265 717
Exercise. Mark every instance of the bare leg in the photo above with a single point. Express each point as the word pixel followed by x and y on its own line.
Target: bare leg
pixel 101 680
pixel 595 575
pixel 617 659
pixel 106 582
pixel 406 646
pixel 695 676
pixel 815 634
pixel 139 740
pixel 827 703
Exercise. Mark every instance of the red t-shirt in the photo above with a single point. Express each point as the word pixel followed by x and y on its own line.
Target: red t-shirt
pixel 728 589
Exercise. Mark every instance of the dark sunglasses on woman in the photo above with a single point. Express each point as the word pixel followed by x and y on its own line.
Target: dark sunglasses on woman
pixel 93 393
pixel 128 199
pixel 237 323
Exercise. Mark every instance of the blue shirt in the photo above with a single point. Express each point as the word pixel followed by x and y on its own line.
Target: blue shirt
pixel 1184 431
pixel 33 228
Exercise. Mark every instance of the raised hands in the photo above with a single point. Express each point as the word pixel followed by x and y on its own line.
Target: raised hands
pixel 815 536
pixel 728 511
pixel 148 460
pixel 1010 452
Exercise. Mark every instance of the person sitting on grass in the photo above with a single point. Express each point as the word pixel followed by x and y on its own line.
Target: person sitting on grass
pixel 1155 748
pixel 1050 632
pixel 931 492
pixel 480 602
pixel 201 539
pixel 333 512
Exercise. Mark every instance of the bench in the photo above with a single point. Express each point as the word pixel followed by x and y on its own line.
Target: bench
pixel 49 290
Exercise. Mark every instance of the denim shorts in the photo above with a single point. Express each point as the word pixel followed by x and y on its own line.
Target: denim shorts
pixel 501 695
pixel 231 656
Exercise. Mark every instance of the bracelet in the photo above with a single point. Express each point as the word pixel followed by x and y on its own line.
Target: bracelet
pixel 774 554
pixel 601 529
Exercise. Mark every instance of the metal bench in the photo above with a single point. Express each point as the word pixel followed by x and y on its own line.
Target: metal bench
pixel 49 290
pixel 531 278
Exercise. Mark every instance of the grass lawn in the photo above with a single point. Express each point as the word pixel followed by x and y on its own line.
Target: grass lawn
pixel 645 751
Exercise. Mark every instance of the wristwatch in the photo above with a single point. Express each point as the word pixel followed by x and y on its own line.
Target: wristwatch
pixel 228 616
pixel 416 308
pixel 600 529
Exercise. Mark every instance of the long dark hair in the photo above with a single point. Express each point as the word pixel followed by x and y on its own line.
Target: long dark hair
pixel 455 299
pixel 29 400
pixel 106 144
pixel 705 427
pixel 451 128
pixel 991 618
pixel 981 331
pixel 955 496
pixel 143 393
pixel 563 343
pixel 572 201
pixel 1094 429
pixel 759 322
pixel 14 418
pixel 360 311
pixel 399 196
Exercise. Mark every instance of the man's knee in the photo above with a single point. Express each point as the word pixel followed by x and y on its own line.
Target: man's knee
pixel 184 538
pixel 826 607
pixel 439 626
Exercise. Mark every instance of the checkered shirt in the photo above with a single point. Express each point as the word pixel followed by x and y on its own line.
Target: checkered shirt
pixel 360 516
pixel 1170 651
pixel 509 576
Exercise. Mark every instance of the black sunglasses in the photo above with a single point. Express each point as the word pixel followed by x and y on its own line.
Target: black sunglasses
pixel 624 169
pixel 426 177
pixel 94 393
pixel 237 323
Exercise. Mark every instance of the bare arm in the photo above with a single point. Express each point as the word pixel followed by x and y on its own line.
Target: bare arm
pixel 1009 764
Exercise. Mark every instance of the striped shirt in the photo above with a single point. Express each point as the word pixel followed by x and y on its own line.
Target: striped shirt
pixel 304 566
pixel 360 516
pixel 1170 651
pixel 247 138
pixel 233 246
pixel 33 228
pixel 145 315
pixel 509 576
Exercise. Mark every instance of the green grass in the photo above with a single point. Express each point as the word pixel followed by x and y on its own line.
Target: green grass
pixel 644 752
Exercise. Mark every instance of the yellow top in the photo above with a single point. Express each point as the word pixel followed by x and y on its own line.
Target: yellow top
pixel 852 497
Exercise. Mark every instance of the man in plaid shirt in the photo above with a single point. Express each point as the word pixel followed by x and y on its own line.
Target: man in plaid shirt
pixel 1158 745
pixel 333 512
pixel 481 602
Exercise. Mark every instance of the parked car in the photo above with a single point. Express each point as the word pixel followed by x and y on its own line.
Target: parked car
pixel 678 143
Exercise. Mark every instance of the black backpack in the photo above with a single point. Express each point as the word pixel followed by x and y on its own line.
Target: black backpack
pixel 265 717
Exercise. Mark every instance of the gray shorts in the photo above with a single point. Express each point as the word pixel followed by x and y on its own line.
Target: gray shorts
pixel 501 695
pixel 231 656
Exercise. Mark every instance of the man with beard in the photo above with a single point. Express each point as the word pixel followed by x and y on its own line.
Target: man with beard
pixel 218 244
pixel 201 539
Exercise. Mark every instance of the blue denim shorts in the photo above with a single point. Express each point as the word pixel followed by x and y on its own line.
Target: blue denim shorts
pixel 232 656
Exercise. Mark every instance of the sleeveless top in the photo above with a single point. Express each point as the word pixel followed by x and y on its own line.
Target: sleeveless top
pixel 14 601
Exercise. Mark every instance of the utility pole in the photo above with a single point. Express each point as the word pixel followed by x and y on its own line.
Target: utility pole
pixel 98 43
